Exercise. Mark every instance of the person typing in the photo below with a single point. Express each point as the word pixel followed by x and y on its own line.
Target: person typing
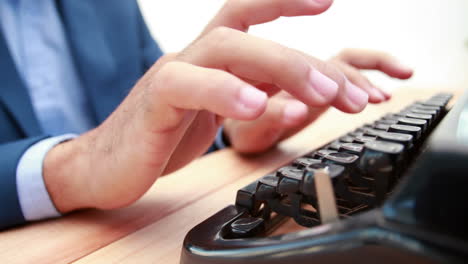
pixel 93 113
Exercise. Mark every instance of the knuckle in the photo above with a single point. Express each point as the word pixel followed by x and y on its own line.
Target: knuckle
pixel 219 39
pixel 225 83
pixel 220 34
pixel 283 56
pixel 345 53
pixel 287 60
pixel 167 58
pixel 238 6
pixel 165 76
pixel 337 71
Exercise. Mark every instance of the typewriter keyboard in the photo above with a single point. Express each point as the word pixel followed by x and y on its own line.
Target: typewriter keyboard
pixel 363 166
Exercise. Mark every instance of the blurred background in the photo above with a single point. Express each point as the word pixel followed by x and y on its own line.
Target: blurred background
pixel 429 35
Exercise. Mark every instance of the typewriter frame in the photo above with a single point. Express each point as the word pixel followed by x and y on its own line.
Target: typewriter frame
pixel 403 229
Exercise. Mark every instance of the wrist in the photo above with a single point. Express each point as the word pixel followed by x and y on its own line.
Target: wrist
pixel 65 173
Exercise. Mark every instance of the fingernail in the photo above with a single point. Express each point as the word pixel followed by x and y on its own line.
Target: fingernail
pixel 386 93
pixel 380 94
pixel 376 93
pixel 355 94
pixel 325 86
pixel 294 111
pixel 252 98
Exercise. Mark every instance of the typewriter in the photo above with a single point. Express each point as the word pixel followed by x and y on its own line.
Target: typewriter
pixel 394 191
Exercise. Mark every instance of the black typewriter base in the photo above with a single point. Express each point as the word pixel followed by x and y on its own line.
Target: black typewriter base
pixel 368 238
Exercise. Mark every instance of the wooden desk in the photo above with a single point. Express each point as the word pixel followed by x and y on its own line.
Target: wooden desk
pixel 152 230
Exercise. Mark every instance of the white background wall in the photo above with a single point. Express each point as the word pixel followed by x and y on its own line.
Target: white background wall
pixel 429 35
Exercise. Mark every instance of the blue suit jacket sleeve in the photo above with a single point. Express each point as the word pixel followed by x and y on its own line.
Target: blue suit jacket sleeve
pixel 11 151
pixel 10 154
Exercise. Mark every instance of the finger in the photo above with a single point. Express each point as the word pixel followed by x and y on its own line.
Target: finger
pixel 240 14
pixel 375 96
pixel 376 60
pixel 203 89
pixel 255 59
pixel 350 98
pixel 281 115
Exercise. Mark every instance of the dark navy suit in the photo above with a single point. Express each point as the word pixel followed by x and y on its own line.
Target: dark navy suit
pixel 111 49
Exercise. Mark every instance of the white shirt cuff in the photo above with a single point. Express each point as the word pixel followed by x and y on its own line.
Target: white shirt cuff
pixel 33 197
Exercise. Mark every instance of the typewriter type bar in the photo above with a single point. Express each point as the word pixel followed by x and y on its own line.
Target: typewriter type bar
pixel 362 169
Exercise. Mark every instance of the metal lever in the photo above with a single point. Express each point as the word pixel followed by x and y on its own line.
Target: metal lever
pixel 326 198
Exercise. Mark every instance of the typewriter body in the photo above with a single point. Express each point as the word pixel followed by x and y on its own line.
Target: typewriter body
pixel 399 189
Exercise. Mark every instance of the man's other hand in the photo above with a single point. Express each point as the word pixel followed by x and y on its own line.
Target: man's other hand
pixel 285 115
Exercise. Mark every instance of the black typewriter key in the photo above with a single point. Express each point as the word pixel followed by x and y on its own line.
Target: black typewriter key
pixel 402 113
pixel 308 184
pixel 266 188
pixel 371 132
pixel 305 161
pixel 346 139
pixel 413 122
pixel 428 117
pixel 422 110
pixel 247 227
pixel 356 133
pixel 344 159
pixel 427 108
pixel 289 179
pixel 348 161
pixel 434 103
pixel 363 139
pixel 288 185
pixel 290 172
pixel 383 127
pixel 418 110
pixel 380 161
pixel 321 153
pixel 352 148
pixel 246 197
pixel 405 129
pixel 270 180
pixel 391 117
pixel 384 147
pixel 341 158
pixel 386 121
pixel 401 138
pixel 335 145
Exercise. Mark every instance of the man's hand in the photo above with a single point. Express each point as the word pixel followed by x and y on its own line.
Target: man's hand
pixel 172 114
pixel 285 115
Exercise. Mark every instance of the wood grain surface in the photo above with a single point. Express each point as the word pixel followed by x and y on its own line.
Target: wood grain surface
pixel 152 229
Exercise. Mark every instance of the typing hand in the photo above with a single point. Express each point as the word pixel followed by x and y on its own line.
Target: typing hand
pixel 172 114
pixel 285 115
